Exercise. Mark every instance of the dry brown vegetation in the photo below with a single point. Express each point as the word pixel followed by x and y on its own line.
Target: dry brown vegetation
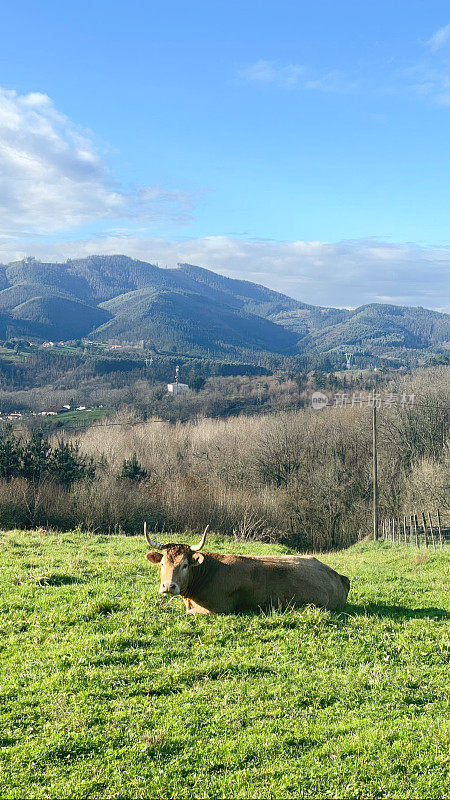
pixel 303 477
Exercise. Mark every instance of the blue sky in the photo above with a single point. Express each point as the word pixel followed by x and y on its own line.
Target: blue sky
pixel 304 145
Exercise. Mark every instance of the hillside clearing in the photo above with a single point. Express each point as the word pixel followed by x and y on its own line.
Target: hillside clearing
pixel 108 691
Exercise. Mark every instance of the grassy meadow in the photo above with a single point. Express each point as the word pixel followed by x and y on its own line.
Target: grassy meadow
pixel 108 691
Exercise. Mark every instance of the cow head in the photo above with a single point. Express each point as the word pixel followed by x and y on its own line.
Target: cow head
pixel 177 562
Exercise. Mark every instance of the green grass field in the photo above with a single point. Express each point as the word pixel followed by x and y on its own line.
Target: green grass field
pixel 78 419
pixel 8 354
pixel 108 691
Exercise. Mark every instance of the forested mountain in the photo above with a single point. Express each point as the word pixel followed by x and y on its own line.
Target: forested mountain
pixel 194 310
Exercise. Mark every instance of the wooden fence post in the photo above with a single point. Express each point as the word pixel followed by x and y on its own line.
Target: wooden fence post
pixel 404 530
pixel 432 530
pixel 441 541
pixel 416 531
pixel 411 530
pixel 425 529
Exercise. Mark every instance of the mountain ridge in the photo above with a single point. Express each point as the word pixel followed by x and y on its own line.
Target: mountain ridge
pixel 117 298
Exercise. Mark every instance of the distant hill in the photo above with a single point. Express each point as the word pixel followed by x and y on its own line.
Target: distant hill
pixel 196 311
pixel 192 323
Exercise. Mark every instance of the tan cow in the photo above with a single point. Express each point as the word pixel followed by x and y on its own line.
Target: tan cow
pixel 214 583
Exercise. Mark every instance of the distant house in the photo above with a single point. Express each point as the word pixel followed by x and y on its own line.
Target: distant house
pixel 54 410
pixel 178 388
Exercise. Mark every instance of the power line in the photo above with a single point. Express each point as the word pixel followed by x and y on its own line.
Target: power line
pixel 375 472
pixel 426 405
pixel 61 428
pixel 367 403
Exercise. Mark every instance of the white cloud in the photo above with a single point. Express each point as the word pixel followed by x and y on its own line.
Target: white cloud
pixel 52 177
pixel 293 76
pixel 268 72
pixel 344 274
pixel 53 180
pixel 428 79
pixel 439 38
pixel 431 81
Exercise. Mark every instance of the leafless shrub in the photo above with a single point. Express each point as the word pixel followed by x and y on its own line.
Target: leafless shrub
pixel 302 477
pixel 428 486
pixel 253 527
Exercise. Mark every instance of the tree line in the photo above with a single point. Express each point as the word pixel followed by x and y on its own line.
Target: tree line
pixel 36 459
pixel 299 476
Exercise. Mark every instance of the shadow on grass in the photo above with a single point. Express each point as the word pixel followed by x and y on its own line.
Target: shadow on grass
pixel 60 580
pixel 7 741
pixel 69 750
pixel 394 612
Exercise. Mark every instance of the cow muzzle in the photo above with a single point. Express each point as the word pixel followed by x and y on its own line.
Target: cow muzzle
pixel 169 588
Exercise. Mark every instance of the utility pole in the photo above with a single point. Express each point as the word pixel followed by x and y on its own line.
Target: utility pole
pixel 259 393
pixel 374 467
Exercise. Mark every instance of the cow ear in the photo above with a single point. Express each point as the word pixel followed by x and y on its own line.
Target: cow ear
pixel 198 558
pixel 155 558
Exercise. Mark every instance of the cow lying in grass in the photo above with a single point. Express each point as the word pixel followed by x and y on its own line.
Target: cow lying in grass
pixel 214 583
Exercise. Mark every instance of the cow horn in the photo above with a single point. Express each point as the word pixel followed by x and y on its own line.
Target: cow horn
pixel 150 541
pixel 201 543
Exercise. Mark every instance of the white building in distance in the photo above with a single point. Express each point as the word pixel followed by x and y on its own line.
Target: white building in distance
pixel 178 388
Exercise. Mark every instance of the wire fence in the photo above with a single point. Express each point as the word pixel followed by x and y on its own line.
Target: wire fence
pixel 427 529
